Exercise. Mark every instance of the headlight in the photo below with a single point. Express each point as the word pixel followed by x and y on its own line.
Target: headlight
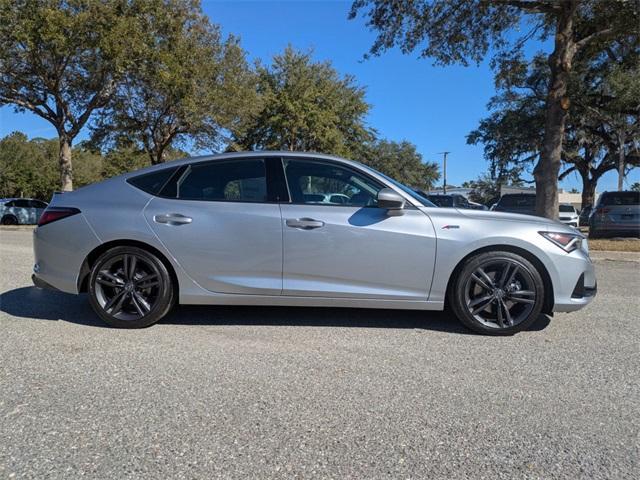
pixel 566 241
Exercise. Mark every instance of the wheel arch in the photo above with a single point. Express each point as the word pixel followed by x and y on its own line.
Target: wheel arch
pixel 9 215
pixel 547 307
pixel 94 254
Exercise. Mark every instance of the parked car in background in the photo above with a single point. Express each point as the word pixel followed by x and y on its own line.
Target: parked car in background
pixel 330 198
pixel 524 203
pixel 585 213
pixel 21 211
pixel 449 200
pixel 569 215
pixel 477 206
pixel 616 213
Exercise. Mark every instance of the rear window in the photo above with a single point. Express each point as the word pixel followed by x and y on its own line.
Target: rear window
pixel 518 201
pixel 152 182
pixel 620 198
pixel 566 208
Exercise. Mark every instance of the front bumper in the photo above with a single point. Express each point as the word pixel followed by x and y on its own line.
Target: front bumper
pixel 577 285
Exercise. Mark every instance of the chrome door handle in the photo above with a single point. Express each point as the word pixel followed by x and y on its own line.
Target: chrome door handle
pixel 172 219
pixel 304 223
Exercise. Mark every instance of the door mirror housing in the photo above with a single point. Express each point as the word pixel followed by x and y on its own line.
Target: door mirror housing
pixel 391 201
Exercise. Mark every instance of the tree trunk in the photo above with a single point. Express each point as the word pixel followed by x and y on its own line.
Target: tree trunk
pixel 64 159
pixel 621 162
pixel 588 190
pixel 548 167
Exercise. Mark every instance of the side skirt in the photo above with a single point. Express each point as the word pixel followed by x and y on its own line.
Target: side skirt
pixel 289 301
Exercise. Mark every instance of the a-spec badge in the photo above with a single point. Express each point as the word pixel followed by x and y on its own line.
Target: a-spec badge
pixel 448 227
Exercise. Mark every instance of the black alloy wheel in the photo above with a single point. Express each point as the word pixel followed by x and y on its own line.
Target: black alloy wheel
pixel 130 288
pixel 497 293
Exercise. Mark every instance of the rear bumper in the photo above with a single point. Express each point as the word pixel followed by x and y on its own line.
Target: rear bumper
pixel 38 282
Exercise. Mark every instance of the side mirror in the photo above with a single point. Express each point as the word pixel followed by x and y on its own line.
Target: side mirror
pixel 391 200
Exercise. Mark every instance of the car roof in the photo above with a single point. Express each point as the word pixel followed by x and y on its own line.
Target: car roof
pixel 243 154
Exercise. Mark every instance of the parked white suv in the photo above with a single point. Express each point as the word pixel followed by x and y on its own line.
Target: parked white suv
pixel 569 215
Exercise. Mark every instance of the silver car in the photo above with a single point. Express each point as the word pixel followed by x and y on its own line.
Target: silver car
pixel 20 211
pixel 238 229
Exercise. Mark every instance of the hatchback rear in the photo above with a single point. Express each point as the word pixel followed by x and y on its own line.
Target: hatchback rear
pixel 617 213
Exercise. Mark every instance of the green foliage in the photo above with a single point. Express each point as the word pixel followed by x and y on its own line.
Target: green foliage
pixel 402 162
pixel 190 86
pixel 460 31
pixel 635 187
pixel 306 106
pixel 61 60
pixel 486 188
pixel 29 168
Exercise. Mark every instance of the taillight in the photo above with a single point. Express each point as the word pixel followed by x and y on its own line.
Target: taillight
pixel 52 214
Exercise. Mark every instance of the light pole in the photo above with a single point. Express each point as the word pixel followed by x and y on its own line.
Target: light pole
pixel 444 171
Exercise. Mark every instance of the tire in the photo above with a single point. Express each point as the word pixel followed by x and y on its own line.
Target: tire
pixel 593 233
pixel 513 299
pixel 130 288
pixel 9 220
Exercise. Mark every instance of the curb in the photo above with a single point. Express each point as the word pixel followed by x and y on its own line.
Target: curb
pixel 615 256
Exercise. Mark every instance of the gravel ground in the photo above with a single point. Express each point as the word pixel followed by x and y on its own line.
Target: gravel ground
pixel 240 392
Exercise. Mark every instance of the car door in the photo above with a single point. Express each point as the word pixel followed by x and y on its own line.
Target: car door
pixel 24 212
pixel 354 249
pixel 221 226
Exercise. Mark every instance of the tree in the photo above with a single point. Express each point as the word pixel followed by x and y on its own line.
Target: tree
pixel 402 162
pixel 486 188
pixel 192 86
pixel 457 31
pixel 28 168
pixel 306 106
pixel 601 116
pixel 61 60
pixel 635 187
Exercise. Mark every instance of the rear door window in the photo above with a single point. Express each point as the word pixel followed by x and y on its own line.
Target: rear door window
pixel 225 181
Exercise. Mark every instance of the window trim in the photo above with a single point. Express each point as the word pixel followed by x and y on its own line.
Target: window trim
pixel 335 163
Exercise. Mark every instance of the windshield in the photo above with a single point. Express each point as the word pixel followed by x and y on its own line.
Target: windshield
pixel 566 208
pixel 409 191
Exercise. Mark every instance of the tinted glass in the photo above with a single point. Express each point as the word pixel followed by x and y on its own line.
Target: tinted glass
pixel 22 204
pixel 10 204
pixel 152 182
pixel 518 201
pixel 316 182
pixel 567 208
pixel 38 204
pixel 620 198
pixel 232 181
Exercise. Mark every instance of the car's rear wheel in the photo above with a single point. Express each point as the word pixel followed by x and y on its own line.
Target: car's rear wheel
pixel 497 293
pixel 9 220
pixel 130 288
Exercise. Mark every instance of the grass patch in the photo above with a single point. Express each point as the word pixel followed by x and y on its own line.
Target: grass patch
pixel 631 245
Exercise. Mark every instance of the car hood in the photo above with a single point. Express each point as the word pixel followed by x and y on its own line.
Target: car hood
pixel 489 215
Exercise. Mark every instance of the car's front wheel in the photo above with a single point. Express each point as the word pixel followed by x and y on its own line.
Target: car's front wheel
pixel 130 288
pixel 497 293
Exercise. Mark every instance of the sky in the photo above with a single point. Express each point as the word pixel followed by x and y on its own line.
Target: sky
pixel 431 106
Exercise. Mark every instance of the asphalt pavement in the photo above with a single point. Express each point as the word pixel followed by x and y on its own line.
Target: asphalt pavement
pixel 238 392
